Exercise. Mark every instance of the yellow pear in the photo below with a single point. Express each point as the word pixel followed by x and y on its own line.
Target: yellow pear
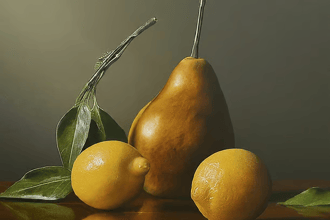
pixel 184 124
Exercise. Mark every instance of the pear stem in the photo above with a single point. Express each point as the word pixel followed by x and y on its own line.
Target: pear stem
pixel 194 52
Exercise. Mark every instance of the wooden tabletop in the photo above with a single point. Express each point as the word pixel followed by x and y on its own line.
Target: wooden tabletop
pixel 147 207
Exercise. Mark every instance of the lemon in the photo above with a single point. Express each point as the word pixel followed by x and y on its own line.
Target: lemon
pixel 108 174
pixel 232 184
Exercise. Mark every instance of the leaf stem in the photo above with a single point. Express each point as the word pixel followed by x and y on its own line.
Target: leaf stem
pixel 111 58
pixel 115 55
pixel 194 52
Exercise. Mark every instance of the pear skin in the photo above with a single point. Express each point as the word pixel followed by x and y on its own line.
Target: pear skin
pixel 184 124
pixel 136 119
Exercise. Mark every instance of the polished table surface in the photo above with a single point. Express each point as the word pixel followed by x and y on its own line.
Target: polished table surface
pixel 147 207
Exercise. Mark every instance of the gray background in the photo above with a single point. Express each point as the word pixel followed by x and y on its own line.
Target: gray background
pixel 271 57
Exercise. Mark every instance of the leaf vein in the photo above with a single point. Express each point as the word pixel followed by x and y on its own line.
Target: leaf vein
pixel 57 188
pixel 31 187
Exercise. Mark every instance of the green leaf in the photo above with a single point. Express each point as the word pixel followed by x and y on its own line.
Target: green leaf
pixel 112 130
pixel 103 128
pixel 311 197
pixel 72 132
pixel 312 211
pixel 46 183
pixel 32 211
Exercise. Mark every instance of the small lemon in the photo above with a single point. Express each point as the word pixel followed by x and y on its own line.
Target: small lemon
pixel 231 184
pixel 108 174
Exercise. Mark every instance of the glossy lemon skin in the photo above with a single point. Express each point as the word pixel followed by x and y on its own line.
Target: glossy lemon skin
pixel 108 174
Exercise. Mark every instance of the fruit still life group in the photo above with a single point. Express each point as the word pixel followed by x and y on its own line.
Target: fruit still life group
pixel 181 145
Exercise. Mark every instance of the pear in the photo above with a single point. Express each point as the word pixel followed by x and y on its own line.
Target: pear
pixel 184 124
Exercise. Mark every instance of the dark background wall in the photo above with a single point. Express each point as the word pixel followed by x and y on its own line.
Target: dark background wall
pixel 271 57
